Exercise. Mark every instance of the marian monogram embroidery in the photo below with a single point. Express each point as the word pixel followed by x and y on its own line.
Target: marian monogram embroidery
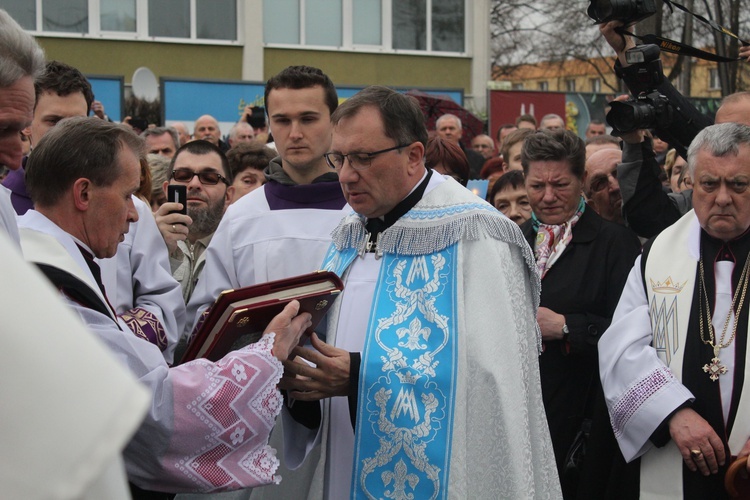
pixel 664 318
pixel 404 425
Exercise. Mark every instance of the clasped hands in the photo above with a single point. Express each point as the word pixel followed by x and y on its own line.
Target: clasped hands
pixel 317 373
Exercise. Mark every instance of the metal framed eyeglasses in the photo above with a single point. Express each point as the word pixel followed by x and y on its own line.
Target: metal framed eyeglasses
pixel 208 178
pixel 358 161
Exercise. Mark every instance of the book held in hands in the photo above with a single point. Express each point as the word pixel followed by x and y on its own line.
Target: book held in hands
pixel 239 317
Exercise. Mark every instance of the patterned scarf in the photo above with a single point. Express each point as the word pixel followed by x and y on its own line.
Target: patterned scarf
pixel 551 240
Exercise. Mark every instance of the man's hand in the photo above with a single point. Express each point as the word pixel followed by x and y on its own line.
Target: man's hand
pixel 289 327
pixel 173 227
pixel 246 113
pixel 619 42
pixel 635 136
pixel 745 52
pixel 699 445
pixel 550 323
pixel 327 378
pixel 98 109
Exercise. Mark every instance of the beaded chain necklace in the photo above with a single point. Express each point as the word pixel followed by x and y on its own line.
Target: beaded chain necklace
pixel 715 368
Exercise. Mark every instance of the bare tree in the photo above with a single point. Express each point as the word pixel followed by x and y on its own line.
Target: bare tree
pixel 530 32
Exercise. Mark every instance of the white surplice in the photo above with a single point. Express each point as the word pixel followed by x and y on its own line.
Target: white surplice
pixel 69 408
pixel 208 423
pixel 139 282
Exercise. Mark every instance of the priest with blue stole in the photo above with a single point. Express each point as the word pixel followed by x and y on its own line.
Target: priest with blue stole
pixel 428 379
pixel 674 362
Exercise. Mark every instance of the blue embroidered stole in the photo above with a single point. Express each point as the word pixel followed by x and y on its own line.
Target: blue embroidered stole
pixel 408 376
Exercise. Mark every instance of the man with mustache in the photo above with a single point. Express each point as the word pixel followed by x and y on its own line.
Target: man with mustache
pixel 203 168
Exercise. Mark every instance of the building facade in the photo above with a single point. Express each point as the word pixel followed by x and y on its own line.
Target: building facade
pixel 407 43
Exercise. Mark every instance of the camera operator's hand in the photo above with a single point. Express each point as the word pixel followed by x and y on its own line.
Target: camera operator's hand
pixel 619 42
pixel 635 136
pixel 745 53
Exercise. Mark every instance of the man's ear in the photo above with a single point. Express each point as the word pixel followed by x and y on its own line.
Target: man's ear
pixel 164 188
pixel 416 158
pixel 230 196
pixel 82 193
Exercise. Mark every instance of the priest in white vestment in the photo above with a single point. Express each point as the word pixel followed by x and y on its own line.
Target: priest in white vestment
pixel 68 407
pixel 429 378
pixel 208 423
pixel 673 363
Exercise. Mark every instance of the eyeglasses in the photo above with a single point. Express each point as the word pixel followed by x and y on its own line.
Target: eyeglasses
pixel 358 161
pixel 208 178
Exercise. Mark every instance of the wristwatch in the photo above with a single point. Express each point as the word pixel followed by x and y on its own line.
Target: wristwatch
pixel 565 332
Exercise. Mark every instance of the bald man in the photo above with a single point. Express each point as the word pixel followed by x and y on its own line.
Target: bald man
pixel 207 128
pixel 601 186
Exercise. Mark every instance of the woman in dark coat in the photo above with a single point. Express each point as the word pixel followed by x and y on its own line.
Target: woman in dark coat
pixel 583 261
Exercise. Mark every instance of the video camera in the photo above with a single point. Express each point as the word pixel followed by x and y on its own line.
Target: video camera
pixel 649 109
pixel 627 11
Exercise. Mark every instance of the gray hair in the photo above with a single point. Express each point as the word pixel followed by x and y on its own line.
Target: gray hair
pixel 235 129
pixel 550 116
pixel 448 116
pixel 718 140
pixel 20 55
pixel 159 166
pixel 157 131
pixel 75 148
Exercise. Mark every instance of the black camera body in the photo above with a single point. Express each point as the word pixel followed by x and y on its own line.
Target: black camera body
pixel 627 11
pixel 649 109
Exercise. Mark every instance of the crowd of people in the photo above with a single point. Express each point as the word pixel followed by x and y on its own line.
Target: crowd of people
pixel 559 339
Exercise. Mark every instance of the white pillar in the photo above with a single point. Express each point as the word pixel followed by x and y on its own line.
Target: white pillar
pixel 251 26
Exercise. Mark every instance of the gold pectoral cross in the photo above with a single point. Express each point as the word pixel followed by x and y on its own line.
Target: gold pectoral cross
pixel 715 368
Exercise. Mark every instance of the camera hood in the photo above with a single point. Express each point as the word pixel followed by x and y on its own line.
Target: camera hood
pixel 627 11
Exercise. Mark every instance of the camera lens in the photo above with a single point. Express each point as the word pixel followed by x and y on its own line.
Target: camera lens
pixel 630 115
pixel 599 10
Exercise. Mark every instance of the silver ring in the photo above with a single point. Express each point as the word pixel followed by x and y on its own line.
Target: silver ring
pixel 696 453
pixel 174 229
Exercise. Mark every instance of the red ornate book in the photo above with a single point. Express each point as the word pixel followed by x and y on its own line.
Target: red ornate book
pixel 239 317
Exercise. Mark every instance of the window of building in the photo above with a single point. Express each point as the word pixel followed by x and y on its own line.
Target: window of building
pixel 323 23
pixel 516 86
pixel 117 15
pixel 542 86
pixel 169 18
pixel 714 82
pixel 570 85
pixel 390 25
pixel 71 16
pixel 596 84
pixel 216 19
pixel 23 11
pixel 364 30
pixel 204 20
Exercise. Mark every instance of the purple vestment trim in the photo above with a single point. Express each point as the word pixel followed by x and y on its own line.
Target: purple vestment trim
pixel 146 325
pixel 15 181
pixel 320 195
pixel 632 400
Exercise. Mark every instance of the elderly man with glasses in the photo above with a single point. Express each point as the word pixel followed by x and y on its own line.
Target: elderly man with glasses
pixel 428 379
pixel 204 170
